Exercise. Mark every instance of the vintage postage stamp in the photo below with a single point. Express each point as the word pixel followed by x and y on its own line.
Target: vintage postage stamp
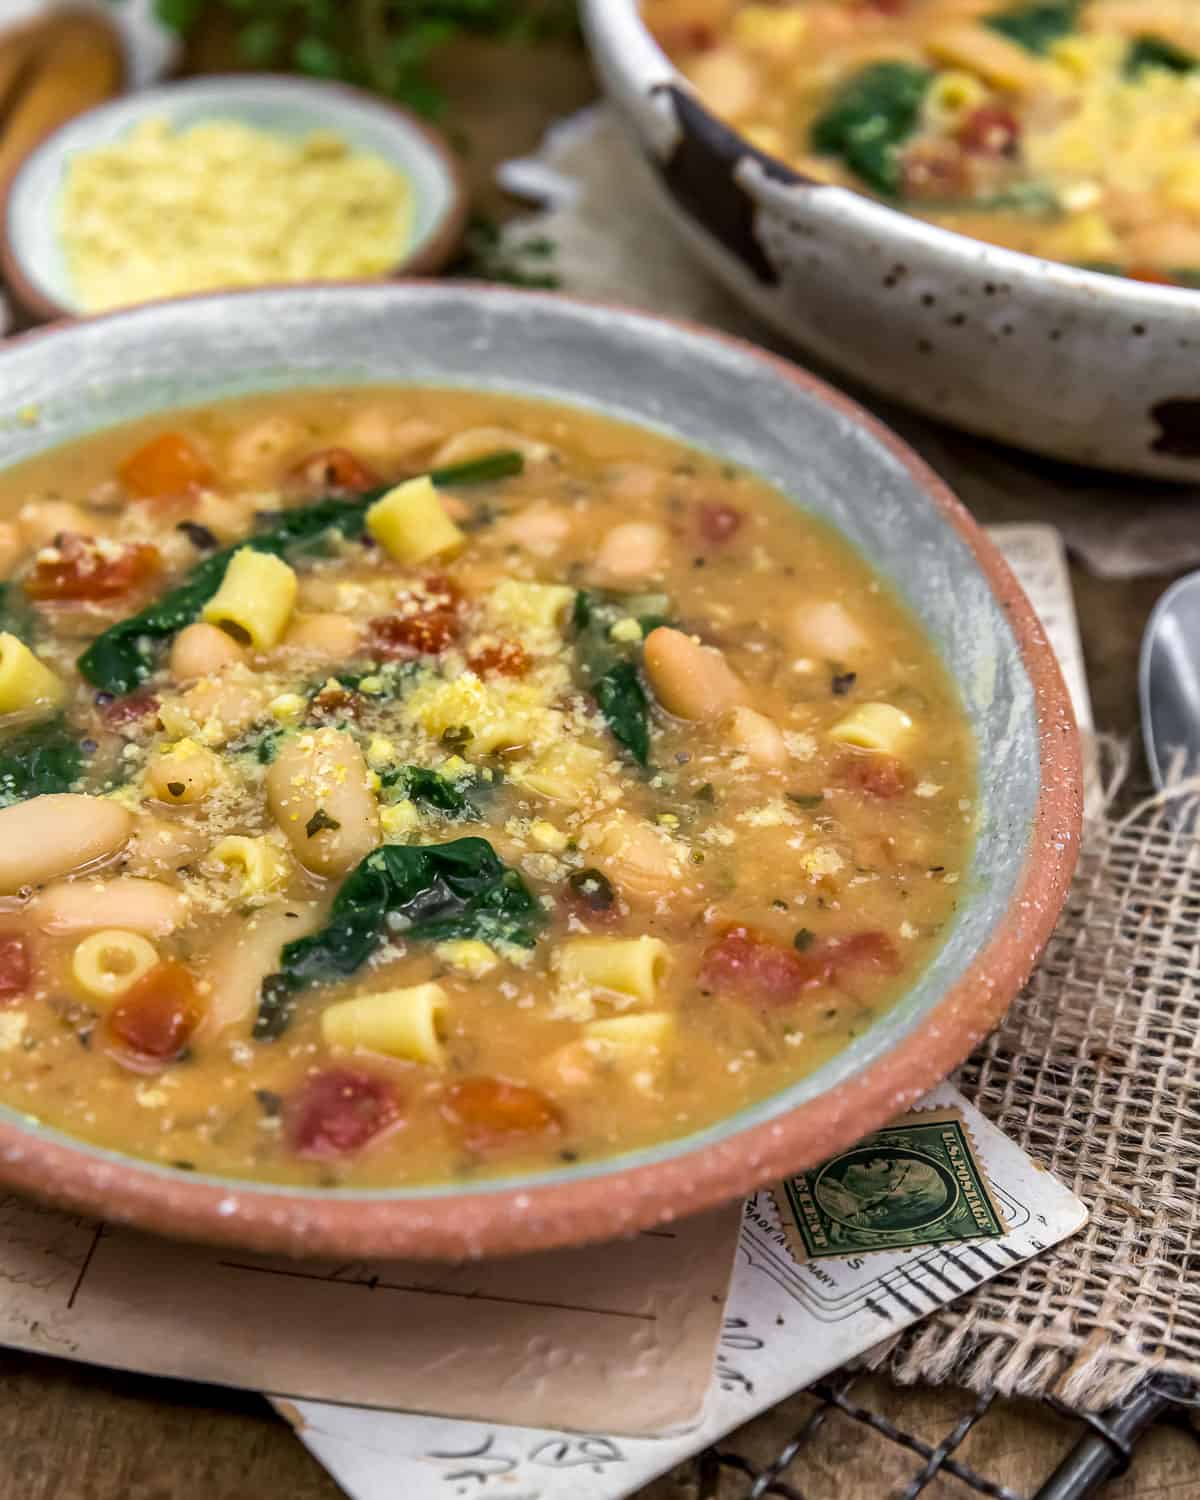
pixel 916 1183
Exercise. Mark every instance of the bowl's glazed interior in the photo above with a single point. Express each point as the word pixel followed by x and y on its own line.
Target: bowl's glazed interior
pixel 825 455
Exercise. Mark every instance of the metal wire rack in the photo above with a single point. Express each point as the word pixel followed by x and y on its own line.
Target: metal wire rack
pixel 912 1466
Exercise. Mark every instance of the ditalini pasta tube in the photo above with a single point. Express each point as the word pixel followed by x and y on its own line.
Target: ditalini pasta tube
pixel 254 602
pixel 411 524
pixel 634 1037
pixel 874 726
pixel 25 682
pixel 107 963
pixel 628 966
pixel 400 1023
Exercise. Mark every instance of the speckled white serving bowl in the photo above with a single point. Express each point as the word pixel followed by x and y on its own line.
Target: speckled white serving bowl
pixel 31 249
pixel 824 454
pixel 1077 365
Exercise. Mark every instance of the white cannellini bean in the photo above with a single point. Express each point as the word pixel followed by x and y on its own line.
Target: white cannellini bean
pixel 477 442
pixel 635 482
pixel 257 453
pixel 228 517
pixel 640 860
pixel 540 528
pixel 691 681
pixel 161 845
pixel 200 649
pixel 40 521
pixel 381 435
pixel 51 836
pixel 221 706
pixel 245 952
pixel 328 637
pixel 826 629
pixel 146 906
pixel 632 551
pixel 756 736
pixel 323 776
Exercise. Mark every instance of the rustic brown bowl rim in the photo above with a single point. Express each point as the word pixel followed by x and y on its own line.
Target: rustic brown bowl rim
pixel 424 260
pixel 509 1219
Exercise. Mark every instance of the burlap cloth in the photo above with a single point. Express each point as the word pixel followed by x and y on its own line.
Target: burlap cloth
pixel 1096 1071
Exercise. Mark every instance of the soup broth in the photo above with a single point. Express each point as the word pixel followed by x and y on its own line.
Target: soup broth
pixel 1066 129
pixel 362 828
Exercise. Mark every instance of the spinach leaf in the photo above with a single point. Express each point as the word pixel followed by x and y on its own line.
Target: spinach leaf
pixel 486 470
pixel 15 613
pixel 623 703
pixel 581 611
pixel 1156 52
pixel 1034 199
pixel 124 655
pixel 426 787
pixel 870 117
pixel 609 667
pixel 44 758
pixel 1035 27
pixel 424 892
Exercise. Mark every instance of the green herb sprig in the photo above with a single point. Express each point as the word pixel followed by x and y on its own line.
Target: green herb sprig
pixel 389 46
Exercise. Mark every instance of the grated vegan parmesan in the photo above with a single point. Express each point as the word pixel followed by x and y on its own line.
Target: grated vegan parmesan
pixel 161 213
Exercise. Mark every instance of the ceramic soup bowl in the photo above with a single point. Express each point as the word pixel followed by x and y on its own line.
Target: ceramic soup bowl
pixel 1074 364
pixel 827 456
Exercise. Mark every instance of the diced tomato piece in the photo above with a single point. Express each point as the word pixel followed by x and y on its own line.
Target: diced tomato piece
pixel 334 469
pixel 933 169
pixel 133 708
pixel 76 568
pixel 506 658
pixel 14 968
pixel 1151 275
pixel 756 966
pixel 427 620
pixel 862 950
pixel 154 1020
pixel 340 1111
pixel 336 701
pixel 688 36
pixel 990 130
pixel 880 776
pixel 396 637
pixel 489 1112
pixel 169 464
pixel 718 522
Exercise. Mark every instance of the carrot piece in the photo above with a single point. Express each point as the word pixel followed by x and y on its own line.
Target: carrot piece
pixel 78 567
pixel 489 1112
pixel 167 465
pixel 156 1017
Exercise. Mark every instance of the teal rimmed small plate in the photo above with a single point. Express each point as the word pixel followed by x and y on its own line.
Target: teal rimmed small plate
pixel 31 246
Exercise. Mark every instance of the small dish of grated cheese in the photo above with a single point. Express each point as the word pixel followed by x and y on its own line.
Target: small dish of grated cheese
pixel 227 181
pixel 164 212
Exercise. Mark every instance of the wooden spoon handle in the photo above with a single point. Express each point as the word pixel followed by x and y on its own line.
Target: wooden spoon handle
pixel 72 61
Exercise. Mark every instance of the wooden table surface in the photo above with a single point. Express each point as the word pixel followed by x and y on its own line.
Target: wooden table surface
pixel 70 1432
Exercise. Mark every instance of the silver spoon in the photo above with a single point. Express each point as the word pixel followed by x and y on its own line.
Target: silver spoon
pixel 1169 681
